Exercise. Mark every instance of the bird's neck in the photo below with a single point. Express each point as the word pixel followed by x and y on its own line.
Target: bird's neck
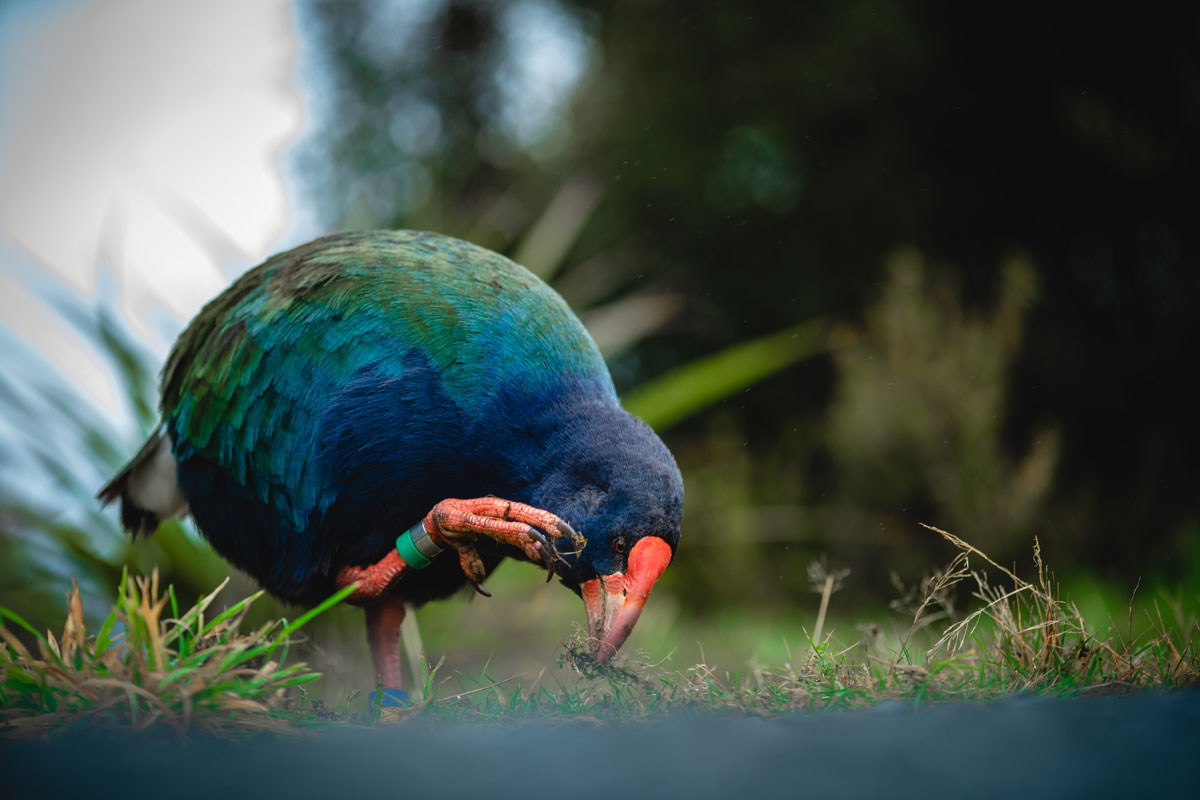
pixel 554 432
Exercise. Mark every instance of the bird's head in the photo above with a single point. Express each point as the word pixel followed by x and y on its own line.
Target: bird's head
pixel 617 484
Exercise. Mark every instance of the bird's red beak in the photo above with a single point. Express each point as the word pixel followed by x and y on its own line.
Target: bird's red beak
pixel 614 602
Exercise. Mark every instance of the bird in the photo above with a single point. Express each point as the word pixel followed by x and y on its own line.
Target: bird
pixel 350 410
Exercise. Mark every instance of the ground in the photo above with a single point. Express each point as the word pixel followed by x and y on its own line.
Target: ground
pixel 1142 745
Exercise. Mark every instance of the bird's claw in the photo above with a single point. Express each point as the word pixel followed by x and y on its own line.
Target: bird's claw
pixel 549 548
pixel 458 523
pixel 546 550
pixel 576 538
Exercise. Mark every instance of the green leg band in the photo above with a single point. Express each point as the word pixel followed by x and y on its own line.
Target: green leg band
pixel 409 552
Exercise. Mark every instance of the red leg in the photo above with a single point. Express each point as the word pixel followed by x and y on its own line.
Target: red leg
pixel 374 580
pixel 457 524
pixel 383 632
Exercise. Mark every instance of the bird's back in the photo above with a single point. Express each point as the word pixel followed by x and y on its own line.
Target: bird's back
pixel 331 394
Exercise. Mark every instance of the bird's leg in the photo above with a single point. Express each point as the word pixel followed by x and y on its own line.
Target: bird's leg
pixel 384 617
pixel 385 614
pixel 458 523
pixel 374 580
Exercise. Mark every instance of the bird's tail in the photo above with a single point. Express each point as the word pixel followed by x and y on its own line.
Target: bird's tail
pixel 147 487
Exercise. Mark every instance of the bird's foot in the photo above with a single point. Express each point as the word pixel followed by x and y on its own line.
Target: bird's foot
pixel 385 699
pixel 391 705
pixel 459 523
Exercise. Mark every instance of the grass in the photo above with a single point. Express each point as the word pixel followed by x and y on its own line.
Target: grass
pixel 146 669
pixel 1021 638
pixel 179 672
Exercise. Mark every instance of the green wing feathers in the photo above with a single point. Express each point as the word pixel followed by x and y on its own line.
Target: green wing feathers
pixel 247 381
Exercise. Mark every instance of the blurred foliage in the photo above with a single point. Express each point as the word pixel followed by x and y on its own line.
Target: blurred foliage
pixel 917 419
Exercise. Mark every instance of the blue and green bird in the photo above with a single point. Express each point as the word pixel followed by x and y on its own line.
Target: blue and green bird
pixel 350 409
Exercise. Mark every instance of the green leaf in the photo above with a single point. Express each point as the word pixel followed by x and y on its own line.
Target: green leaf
pixel 683 391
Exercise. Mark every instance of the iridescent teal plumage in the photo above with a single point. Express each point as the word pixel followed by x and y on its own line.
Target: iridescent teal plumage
pixel 332 395
pixel 258 363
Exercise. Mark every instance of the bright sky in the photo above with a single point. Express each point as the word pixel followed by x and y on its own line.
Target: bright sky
pixel 140 146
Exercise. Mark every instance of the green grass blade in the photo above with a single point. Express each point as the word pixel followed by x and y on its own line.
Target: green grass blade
pixel 9 614
pixel 324 606
pixel 296 680
pixel 102 638
pixel 240 655
pixel 229 612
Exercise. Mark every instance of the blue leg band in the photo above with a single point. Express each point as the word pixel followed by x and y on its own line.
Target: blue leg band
pixel 390 698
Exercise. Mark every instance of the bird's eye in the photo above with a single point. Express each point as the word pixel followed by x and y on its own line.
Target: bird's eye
pixel 619 544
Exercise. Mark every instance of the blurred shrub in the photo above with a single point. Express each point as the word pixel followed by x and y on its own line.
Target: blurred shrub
pixel 913 432
pixel 917 420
